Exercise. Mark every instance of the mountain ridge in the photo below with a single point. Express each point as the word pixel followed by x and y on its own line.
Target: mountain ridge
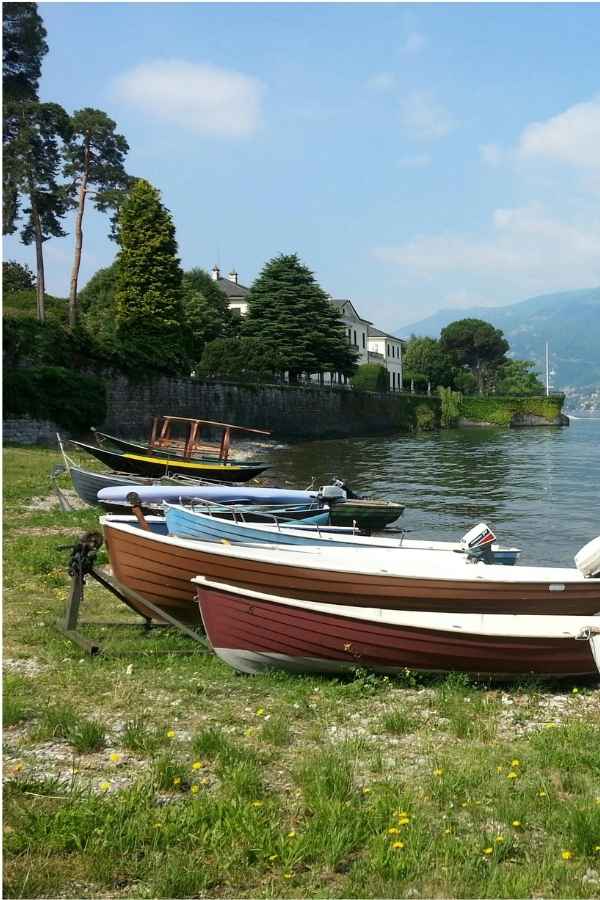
pixel 568 320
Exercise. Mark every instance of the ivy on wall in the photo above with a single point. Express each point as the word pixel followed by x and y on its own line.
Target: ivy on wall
pixel 503 410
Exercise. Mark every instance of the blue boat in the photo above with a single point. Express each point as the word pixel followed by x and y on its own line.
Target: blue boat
pixel 187 523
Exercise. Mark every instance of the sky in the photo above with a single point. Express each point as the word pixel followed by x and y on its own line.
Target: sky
pixel 416 156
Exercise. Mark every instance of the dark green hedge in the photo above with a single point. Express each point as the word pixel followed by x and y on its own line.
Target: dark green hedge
pixel 371 377
pixel 60 395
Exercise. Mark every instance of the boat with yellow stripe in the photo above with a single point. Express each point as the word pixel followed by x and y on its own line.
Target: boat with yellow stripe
pixel 149 465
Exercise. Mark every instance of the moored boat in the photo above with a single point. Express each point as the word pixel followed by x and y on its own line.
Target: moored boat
pixel 192 444
pixel 145 464
pixel 157 565
pixel 253 631
pixel 194 523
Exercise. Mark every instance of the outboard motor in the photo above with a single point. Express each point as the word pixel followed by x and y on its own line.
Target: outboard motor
pixel 332 492
pixel 477 543
pixel 349 492
pixel 588 559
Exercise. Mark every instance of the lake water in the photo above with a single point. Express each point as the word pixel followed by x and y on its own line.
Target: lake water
pixel 537 488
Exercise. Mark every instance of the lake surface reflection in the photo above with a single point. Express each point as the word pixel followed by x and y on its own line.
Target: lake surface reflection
pixel 538 488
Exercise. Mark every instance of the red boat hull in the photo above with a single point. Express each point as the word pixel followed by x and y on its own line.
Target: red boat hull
pixel 253 634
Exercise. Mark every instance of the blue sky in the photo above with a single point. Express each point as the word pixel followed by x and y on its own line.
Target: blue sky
pixel 416 156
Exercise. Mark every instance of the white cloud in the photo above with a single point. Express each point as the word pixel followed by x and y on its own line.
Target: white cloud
pixel 382 81
pixel 415 162
pixel 572 137
pixel 423 118
pixel 199 97
pixel 414 43
pixel 526 246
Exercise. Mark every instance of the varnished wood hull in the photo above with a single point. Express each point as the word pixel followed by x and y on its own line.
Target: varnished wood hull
pixel 252 634
pixel 161 569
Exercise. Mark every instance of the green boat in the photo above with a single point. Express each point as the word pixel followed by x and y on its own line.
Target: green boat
pixel 369 515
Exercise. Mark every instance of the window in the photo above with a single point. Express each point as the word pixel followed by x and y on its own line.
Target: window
pixel 355 341
pixel 364 342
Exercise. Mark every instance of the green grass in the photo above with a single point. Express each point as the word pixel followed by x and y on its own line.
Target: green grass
pixel 154 771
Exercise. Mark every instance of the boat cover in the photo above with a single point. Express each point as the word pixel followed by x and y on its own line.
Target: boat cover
pixel 156 493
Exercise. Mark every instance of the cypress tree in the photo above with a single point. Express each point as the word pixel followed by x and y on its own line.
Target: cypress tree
pixel 295 321
pixel 149 312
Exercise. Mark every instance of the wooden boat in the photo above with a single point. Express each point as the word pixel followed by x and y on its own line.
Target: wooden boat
pixel 194 523
pixel 253 631
pixel 160 567
pixel 163 441
pixel 154 466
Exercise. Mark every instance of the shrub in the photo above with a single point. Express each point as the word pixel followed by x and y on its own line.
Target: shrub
pixel 371 377
pixel 63 396
pixel 451 405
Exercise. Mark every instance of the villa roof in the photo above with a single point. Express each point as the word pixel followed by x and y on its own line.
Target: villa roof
pixel 376 332
pixel 232 290
pixel 343 305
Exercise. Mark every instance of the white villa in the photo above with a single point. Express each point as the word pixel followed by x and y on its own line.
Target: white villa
pixel 373 345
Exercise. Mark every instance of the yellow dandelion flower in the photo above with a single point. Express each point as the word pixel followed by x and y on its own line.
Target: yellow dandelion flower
pixel 366 790
pixel 405 821
pixel 291 834
pixel 197 765
pixel 516 823
pixel 567 854
pixel 542 793
pixel 170 734
pixel 105 785
pixel 249 732
pixel 115 757
pixel 499 839
pixel 398 845
pixel 194 789
pixel 18 767
pixel 575 690
pixel 401 814
pixel 499 769
pixel 260 711
pixel 597 848
pixel 273 857
pixel 515 763
pixel 393 831
pixel 488 851
pixel 177 780
pixel 438 772
pixel 288 875
pixel 512 775
pixel 158 825
pixel 257 803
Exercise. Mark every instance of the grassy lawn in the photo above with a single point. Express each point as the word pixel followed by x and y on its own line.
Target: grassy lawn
pixel 154 771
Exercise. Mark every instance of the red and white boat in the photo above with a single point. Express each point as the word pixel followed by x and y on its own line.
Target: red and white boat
pixel 253 631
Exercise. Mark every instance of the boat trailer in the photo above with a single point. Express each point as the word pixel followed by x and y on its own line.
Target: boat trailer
pixel 82 565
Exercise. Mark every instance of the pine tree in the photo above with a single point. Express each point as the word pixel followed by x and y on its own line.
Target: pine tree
pixel 294 319
pixel 149 312
pixel 23 47
pixel 95 157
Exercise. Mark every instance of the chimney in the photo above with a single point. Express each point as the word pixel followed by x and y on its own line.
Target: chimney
pixel 215 273
pixel 233 276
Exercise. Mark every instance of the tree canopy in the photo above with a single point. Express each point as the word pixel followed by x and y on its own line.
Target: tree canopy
pixel 149 313
pixel 424 357
pixel 515 378
pixel 295 320
pixel 207 312
pixel 477 345
pixel 16 277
